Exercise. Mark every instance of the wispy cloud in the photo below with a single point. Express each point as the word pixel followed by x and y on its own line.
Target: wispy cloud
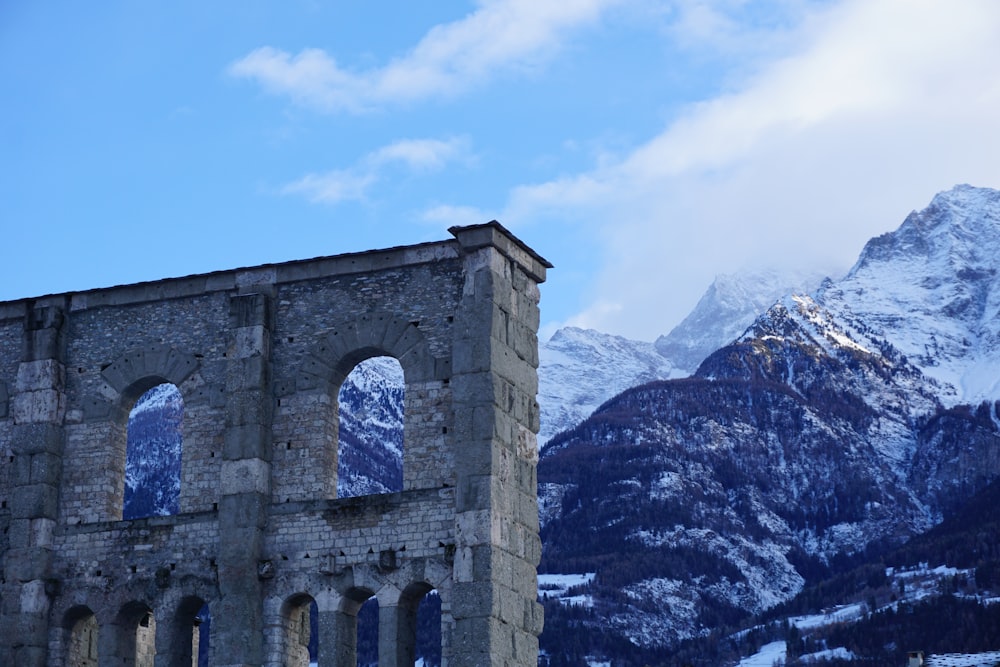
pixel 353 183
pixel 451 57
pixel 884 103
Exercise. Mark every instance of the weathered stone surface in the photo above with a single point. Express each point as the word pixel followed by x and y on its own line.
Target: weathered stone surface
pixel 258 355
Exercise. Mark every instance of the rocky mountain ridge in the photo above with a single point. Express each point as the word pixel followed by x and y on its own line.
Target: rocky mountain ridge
pixel 811 440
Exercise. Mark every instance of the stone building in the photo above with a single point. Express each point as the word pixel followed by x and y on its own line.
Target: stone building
pixel 258 355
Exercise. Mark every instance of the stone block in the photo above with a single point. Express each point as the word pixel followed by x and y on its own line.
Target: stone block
pixel 96 408
pixel 248 441
pixel 474 599
pixel 246 476
pixel 46 468
pixel 250 341
pixel 248 373
pixel 43 405
pixel 34 501
pixel 177 366
pixel 246 310
pixel 242 511
pixel 43 344
pixel 250 406
pixel 41 374
pixel 32 564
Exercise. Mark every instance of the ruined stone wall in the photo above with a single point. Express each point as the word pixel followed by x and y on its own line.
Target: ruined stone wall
pixel 258 356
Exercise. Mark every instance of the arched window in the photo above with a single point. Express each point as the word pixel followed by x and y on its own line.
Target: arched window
pixel 135 639
pixel 81 648
pixel 367 646
pixel 300 617
pixel 191 629
pixel 429 630
pixel 153 454
pixel 370 458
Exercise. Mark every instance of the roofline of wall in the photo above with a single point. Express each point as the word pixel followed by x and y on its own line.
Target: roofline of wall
pixel 492 233
pixel 468 238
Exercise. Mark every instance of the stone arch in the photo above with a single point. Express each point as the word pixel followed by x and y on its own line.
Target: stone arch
pixel 371 334
pixel 181 640
pixel 80 637
pixel 360 613
pixel 306 450
pixel 130 638
pixel 335 354
pixel 296 621
pixel 142 368
pixel 129 377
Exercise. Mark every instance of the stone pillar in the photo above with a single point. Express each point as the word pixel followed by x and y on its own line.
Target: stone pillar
pixel 494 380
pixel 237 619
pixel 116 643
pixel 38 405
pixel 397 635
pixel 338 639
pixel 176 640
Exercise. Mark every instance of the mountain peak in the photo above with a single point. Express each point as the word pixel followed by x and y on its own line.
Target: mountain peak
pixel 931 287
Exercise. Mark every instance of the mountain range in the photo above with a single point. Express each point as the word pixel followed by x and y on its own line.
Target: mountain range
pixel 836 426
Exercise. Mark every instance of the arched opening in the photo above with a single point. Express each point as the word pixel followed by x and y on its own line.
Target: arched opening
pixel 370 449
pixel 82 634
pixel 367 634
pixel 418 632
pixel 135 636
pixel 189 636
pixel 300 617
pixel 153 454
pixel 429 630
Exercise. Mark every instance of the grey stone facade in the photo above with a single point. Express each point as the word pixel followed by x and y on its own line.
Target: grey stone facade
pixel 258 355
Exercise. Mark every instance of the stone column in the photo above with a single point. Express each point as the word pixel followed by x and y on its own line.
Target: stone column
pixel 38 405
pixel 237 619
pixel 338 639
pixel 116 644
pixel 176 639
pixel 397 635
pixel 494 380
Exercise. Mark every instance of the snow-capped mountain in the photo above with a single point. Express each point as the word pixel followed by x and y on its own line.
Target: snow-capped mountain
pixel 153 454
pixel 581 368
pixel 826 430
pixel 932 288
pixel 371 429
pixel 730 305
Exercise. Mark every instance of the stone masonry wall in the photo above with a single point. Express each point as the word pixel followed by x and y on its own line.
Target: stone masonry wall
pixel 258 356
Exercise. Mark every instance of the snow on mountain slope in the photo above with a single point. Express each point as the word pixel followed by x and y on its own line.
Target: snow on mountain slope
pixel 932 289
pixel 579 369
pixel 818 433
pixel 730 304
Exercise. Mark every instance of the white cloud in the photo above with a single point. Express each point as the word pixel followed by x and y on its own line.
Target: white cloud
pixel 884 103
pixel 500 34
pixel 339 185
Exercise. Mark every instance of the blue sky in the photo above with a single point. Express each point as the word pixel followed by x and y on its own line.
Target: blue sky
pixel 642 146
